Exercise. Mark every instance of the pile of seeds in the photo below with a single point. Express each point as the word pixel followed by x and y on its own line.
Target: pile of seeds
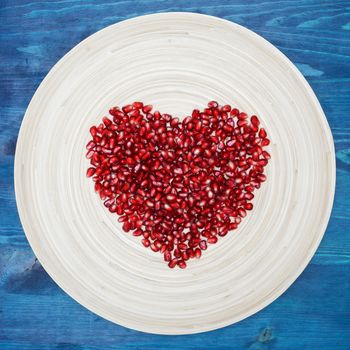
pixel 179 185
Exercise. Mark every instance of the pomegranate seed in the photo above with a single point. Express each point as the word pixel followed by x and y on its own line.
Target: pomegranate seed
pixel 261 177
pixel 178 185
pixel 182 246
pixel 212 240
pixel 167 256
pixel 93 131
pixel 127 108
pixel 266 155
pixel 137 233
pixel 147 109
pixel 198 253
pixel 241 212
pixel 146 242
pixel 90 172
pixel 212 104
pixel 265 142
pixel 138 105
pixel 107 121
pixel 126 226
pixel 170 197
pixel 203 245
pixel 242 116
pixel 182 264
pixel 226 108
pixel 154 247
pixel 254 120
pixel 172 263
pixel 91 145
pixel 262 133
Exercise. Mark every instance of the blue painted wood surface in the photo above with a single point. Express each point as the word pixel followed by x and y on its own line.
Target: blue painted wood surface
pixel 313 314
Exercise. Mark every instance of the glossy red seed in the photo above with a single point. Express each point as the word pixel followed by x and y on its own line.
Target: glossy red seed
pixel 146 242
pixel 241 212
pixel 93 131
pixel 90 172
pixel 242 116
pixel 127 108
pixel 197 253
pixel 262 133
pixel 167 256
pixel 249 196
pixel 138 105
pixel 212 104
pixel 248 206
pixel 182 246
pixel 254 120
pixel 170 197
pixel 266 155
pixel 126 226
pixel 203 245
pixel 154 247
pixel 226 108
pixel 172 263
pixel 137 233
pixel 234 112
pixel 212 240
pixel 107 121
pixel 91 145
pixel 182 264
pixel 265 142
pixel 261 177
pixel 147 109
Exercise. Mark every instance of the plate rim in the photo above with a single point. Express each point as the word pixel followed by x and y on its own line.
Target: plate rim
pixel 296 273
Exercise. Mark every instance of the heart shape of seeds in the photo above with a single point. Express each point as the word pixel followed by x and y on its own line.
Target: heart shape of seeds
pixel 179 185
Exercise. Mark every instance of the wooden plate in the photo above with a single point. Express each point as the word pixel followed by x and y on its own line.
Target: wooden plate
pixel 177 62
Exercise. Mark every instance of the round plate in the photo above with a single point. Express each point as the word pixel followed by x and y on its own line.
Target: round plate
pixel 176 62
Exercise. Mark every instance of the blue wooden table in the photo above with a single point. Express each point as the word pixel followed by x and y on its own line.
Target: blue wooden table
pixel 315 311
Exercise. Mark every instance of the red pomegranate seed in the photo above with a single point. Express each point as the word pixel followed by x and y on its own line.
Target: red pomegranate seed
pixel 126 226
pixel 241 212
pixel 265 142
pixel 266 155
pixel 137 233
pixel 182 264
pixel 262 133
pixel 146 242
pixel 254 120
pixel 172 263
pixel 127 108
pixel 93 131
pixel 226 108
pixel 147 109
pixel 138 105
pixel 242 116
pixel 248 206
pixel 107 121
pixel 212 104
pixel 212 240
pixel 167 256
pixel 203 245
pixel 178 185
pixel 154 247
pixel 261 177
pixel 90 172
pixel 198 253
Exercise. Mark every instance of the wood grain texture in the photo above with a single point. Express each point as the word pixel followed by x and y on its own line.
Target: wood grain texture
pixel 313 314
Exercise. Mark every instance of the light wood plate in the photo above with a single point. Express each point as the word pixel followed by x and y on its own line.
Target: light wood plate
pixel 177 62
